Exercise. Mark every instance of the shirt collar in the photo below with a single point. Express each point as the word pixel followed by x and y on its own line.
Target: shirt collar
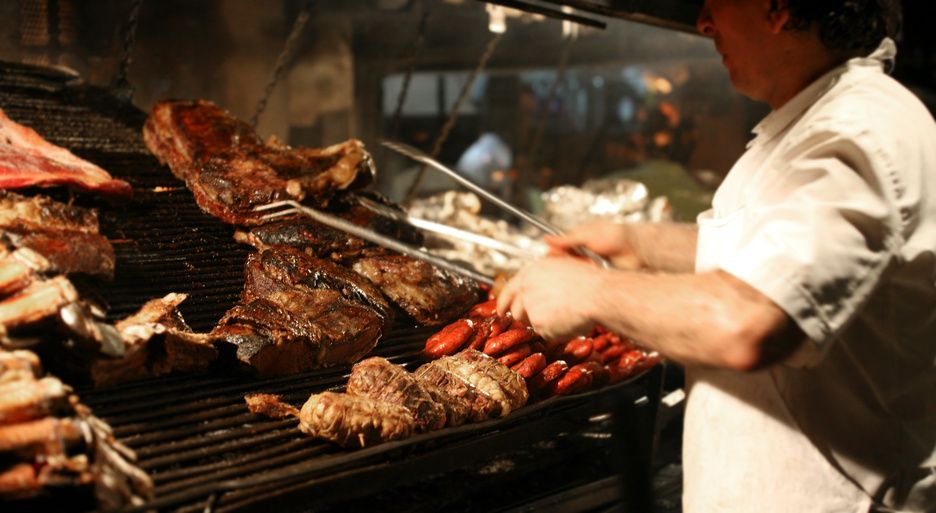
pixel 778 120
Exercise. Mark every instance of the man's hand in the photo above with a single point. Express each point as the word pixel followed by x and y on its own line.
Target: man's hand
pixel 553 295
pixel 606 238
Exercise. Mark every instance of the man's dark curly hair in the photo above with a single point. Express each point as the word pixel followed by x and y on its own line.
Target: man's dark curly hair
pixel 847 25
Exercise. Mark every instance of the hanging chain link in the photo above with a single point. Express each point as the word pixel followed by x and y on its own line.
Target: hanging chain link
pixel 404 90
pixel 285 56
pixel 121 86
pixel 550 97
pixel 453 115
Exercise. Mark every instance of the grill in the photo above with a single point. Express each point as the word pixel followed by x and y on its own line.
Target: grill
pixel 193 433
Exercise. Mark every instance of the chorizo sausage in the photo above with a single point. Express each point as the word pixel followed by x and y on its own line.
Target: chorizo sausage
pixel 516 354
pixel 580 377
pixel 496 346
pixel 548 375
pixel 483 310
pixel 531 365
pixel 450 339
pixel 577 350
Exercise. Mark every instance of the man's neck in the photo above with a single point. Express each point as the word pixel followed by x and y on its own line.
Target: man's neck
pixel 812 61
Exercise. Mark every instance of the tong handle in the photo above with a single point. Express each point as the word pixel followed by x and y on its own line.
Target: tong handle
pixel 370 236
pixel 546 227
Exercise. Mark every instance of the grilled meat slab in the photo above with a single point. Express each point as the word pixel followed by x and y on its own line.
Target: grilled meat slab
pixel 231 171
pixel 284 268
pixel 296 330
pixel 381 380
pixel 28 160
pixel 430 295
pixel 67 236
pixel 324 242
pixel 27 399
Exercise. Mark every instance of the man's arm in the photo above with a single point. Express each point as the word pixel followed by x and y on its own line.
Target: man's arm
pixel 710 319
pixel 666 247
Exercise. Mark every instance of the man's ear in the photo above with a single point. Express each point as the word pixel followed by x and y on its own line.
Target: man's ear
pixel 778 16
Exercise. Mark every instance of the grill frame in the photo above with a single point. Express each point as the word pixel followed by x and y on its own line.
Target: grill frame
pixel 189 429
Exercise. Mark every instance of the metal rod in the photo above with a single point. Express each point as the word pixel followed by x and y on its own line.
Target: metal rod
pixel 363 233
pixel 551 229
pixel 419 156
pixel 549 12
pixel 451 233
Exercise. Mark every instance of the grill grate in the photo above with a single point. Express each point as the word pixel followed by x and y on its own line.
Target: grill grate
pixel 193 433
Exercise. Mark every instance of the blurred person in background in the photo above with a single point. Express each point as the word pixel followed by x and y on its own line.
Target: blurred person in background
pixel 803 303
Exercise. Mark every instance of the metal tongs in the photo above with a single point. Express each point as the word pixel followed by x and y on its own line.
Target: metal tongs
pixel 292 207
pixel 546 227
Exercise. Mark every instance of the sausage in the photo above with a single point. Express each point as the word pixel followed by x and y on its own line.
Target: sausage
pixel 450 339
pixel 577 350
pixel 580 377
pixel 602 342
pixel 481 334
pixel 531 365
pixel 613 353
pixel 515 355
pixel 483 310
pixel 496 346
pixel 500 325
pixel 548 375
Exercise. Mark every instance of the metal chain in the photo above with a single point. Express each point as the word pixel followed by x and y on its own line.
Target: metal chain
pixel 550 97
pixel 414 57
pixel 453 115
pixel 121 86
pixel 283 59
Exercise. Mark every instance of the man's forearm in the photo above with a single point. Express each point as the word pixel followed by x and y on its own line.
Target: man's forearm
pixel 710 319
pixel 667 247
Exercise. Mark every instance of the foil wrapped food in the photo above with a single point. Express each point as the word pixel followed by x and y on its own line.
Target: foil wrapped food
pixel 620 200
pixel 462 210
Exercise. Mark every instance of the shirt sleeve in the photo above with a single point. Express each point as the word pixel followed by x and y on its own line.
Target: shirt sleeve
pixel 818 235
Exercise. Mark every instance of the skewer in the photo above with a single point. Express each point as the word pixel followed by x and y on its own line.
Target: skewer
pixel 337 223
pixel 419 156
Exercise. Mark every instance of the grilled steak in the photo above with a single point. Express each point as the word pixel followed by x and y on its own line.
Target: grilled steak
pixel 429 295
pixel 67 236
pixel 298 330
pixel 231 171
pixel 383 381
pixel 28 160
pixel 285 268
pixel 312 238
pixel 321 241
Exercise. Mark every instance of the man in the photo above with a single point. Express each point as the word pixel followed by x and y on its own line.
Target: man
pixel 803 304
